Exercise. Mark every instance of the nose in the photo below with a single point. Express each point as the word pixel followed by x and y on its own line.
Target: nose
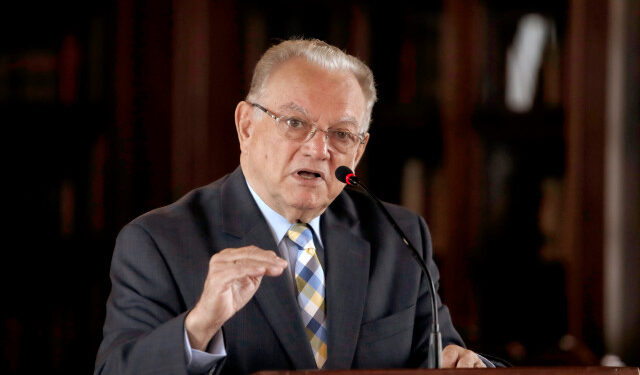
pixel 318 145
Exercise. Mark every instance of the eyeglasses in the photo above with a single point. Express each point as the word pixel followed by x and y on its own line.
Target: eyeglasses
pixel 296 129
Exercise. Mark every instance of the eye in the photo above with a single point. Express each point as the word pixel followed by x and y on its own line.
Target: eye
pixel 342 135
pixel 294 123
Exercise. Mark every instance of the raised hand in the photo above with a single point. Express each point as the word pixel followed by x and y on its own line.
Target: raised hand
pixel 233 278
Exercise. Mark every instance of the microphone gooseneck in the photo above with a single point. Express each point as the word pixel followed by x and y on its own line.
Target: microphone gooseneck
pixel 345 175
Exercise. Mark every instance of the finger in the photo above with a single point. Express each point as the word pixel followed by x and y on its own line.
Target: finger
pixel 469 359
pixel 273 265
pixel 244 267
pixel 466 360
pixel 264 268
pixel 228 280
pixel 479 364
pixel 252 252
pixel 221 276
pixel 449 356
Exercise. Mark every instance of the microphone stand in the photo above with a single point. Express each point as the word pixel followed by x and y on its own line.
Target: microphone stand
pixel 434 359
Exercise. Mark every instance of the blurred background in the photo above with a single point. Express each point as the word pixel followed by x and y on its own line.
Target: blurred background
pixel 512 127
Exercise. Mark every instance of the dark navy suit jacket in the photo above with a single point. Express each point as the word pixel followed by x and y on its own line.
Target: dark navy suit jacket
pixel 377 299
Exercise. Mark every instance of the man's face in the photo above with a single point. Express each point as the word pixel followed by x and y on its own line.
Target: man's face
pixel 296 178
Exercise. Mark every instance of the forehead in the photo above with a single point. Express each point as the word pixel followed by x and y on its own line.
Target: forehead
pixel 330 95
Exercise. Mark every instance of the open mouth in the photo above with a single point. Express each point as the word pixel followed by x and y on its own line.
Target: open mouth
pixel 309 175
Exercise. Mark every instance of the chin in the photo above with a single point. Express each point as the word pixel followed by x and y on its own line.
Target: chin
pixel 309 203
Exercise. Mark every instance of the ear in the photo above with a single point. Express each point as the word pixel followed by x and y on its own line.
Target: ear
pixel 244 124
pixel 360 151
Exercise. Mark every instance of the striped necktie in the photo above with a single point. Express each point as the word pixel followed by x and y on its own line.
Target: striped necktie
pixel 310 285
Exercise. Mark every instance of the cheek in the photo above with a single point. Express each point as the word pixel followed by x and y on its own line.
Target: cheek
pixel 334 188
pixel 265 148
pixel 347 161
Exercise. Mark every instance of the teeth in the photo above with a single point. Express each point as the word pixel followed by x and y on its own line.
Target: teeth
pixel 309 175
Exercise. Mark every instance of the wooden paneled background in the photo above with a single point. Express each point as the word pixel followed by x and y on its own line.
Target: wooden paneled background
pixel 112 108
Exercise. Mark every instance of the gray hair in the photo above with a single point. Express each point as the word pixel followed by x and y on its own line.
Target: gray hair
pixel 322 54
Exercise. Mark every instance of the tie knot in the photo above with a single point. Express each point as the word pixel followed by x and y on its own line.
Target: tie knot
pixel 301 235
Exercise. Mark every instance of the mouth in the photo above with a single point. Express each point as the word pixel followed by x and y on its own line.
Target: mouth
pixel 309 174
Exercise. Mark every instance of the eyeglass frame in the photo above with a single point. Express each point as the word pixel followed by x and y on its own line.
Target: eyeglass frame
pixel 362 137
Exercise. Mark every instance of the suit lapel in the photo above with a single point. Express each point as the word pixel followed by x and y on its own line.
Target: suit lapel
pixel 347 273
pixel 278 302
pixel 243 219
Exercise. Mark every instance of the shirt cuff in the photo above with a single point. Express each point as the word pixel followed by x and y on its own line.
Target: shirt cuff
pixel 486 362
pixel 200 362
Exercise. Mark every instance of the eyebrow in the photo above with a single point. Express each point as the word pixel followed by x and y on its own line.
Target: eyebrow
pixel 300 109
pixel 294 107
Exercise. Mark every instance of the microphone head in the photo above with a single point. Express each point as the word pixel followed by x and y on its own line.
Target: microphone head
pixel 344 173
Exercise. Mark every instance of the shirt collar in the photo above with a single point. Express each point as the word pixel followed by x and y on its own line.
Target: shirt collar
pixel 278 224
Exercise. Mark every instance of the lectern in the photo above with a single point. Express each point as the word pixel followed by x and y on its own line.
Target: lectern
pixel 473 371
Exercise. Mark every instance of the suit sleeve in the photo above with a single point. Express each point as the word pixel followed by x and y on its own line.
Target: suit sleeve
pixel 424 316
pixel 144 326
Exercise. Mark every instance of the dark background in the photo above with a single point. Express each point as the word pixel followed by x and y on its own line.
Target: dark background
pixel 110 109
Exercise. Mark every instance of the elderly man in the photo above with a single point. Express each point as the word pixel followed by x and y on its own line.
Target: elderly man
pixel 275 266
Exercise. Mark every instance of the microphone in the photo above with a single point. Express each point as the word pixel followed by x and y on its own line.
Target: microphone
pixel 346 176
pixel 434 360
